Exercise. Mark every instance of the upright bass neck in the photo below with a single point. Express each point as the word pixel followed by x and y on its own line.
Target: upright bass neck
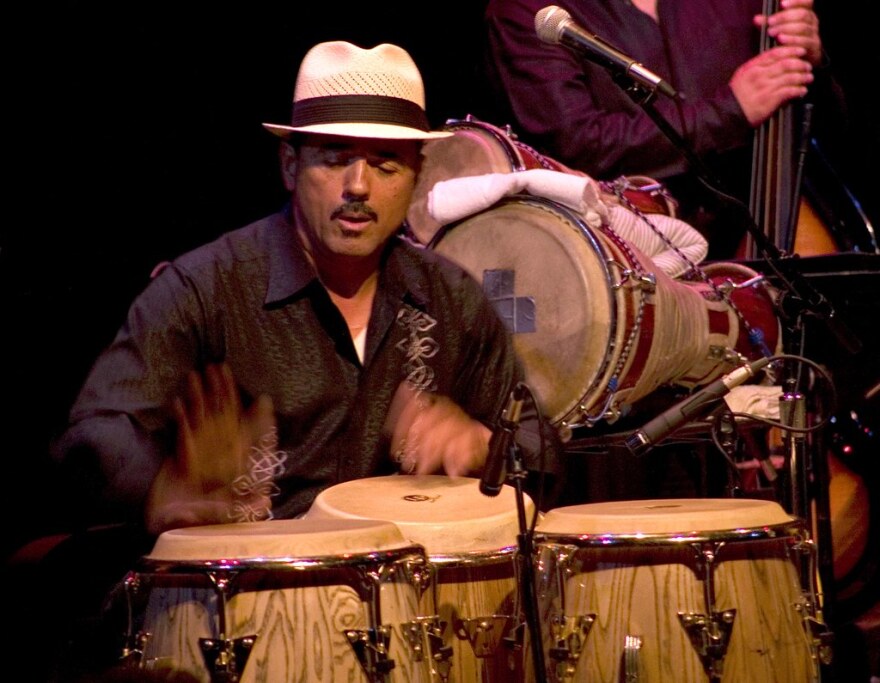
pixel 774 185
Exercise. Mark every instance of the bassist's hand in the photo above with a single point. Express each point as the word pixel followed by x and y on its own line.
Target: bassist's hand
pixel 795 24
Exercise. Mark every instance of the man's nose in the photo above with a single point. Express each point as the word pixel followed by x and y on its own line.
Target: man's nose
pixel 357 181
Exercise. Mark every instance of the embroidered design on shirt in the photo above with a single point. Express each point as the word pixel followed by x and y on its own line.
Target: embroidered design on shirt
pixel 265 463
pixel 418 347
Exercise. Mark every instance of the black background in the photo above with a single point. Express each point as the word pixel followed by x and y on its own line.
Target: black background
pixel 134 134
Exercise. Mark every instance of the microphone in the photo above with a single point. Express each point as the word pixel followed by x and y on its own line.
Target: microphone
pixel 700 403
pixel 554 25
pixel 494 472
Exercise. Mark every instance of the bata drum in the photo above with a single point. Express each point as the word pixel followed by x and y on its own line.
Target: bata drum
pixel 471 541
pixel 676 590
pixel 595 323
pixel 475 148
pixel 293 600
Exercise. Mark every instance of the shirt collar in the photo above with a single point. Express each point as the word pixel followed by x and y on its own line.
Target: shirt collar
pixel 290 271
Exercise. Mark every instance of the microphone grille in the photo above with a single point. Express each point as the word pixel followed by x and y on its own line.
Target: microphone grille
pixel 549 23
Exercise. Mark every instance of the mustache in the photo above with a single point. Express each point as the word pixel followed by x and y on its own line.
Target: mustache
pixel 357 208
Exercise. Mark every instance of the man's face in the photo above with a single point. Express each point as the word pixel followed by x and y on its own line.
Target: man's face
pixel 350 194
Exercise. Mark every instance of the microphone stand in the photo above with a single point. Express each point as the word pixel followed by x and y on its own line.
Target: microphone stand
pixel 516 475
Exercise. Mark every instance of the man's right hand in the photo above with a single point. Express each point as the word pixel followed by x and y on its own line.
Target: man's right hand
pixel 215 439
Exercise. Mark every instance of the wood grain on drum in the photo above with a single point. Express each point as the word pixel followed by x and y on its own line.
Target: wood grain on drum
pixel 636 585
pixel 309 615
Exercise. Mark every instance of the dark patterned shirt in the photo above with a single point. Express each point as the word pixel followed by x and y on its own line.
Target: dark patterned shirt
pixel 252 299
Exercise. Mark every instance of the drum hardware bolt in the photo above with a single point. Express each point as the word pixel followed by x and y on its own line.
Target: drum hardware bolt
pixel 133 652
pixel 632 663
pixel 516 638
pixel 371 648
pixel 419 575
pixel 709 637
pixel 646 282
pixel 729 285
pixel 483 633
pixel 823 640
pixel 226 658
pixel 569 634
pixel 135 643
pixel 431 629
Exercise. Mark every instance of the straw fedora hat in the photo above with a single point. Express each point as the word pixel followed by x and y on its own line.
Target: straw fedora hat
pixel 342 89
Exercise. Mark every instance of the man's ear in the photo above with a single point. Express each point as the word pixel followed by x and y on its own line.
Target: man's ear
pixel 288 166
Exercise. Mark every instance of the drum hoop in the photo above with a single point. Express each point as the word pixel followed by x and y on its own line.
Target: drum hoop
pixel 505 141
pixel 281 564
pixel 476 558
pixel 793 530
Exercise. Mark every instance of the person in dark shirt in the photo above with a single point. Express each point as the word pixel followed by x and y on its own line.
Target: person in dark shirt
pixel 315 346
pixel 312 347
pixel 572 110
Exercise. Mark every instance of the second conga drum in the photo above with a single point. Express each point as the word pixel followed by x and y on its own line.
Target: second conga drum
pixel 686 590
pixel 470 540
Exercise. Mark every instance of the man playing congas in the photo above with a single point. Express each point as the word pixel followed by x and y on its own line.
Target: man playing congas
pixel 312 347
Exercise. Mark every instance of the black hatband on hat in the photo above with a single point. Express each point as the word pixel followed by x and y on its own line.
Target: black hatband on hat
pixel 394 111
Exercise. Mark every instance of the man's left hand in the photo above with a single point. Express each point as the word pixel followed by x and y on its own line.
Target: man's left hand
pixel 796 24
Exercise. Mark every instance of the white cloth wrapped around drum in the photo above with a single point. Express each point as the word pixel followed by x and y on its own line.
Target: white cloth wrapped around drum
pixel 471 542
pixel 311 600
pixel 673 245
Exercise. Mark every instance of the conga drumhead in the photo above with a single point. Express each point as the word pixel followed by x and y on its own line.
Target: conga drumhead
pixel 664 516
pixel 276 539
pixel 445 515
pixel 474 149
pixel 549 278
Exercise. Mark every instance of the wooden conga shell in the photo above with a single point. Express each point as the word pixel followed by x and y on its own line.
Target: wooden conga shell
pixel 636 566
pixel 470 540
pixel 298 586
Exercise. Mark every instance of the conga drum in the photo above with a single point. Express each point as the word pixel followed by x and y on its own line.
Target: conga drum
pixel 470 540
pixel 292 600
pixel 684 590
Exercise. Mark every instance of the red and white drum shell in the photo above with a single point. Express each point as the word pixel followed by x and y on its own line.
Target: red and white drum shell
pixel 748 323
pixel 595 323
